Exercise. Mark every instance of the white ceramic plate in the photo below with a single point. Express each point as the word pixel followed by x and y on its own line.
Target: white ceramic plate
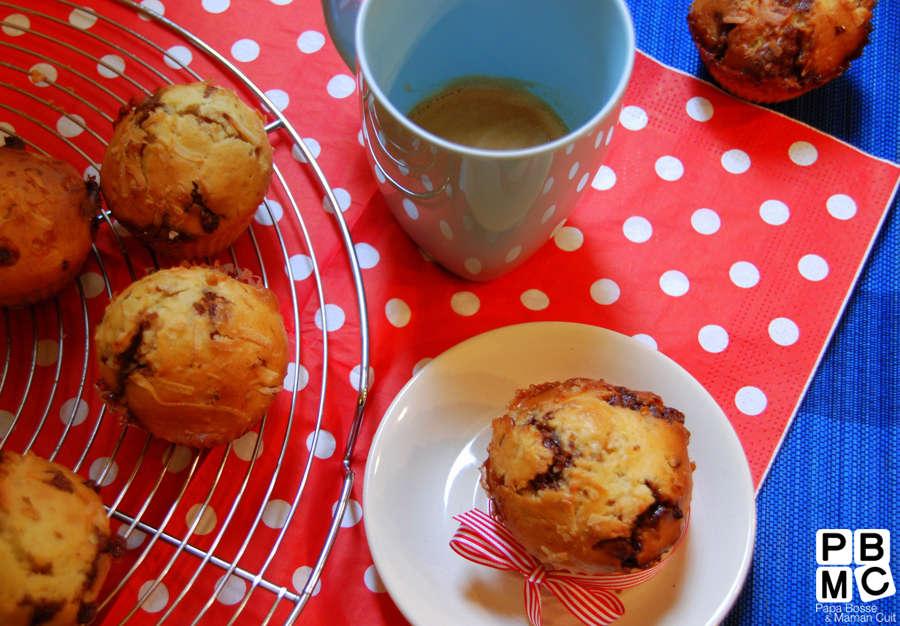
pixel 423 468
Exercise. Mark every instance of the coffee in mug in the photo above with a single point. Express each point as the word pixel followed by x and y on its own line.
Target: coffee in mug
pixel 490 113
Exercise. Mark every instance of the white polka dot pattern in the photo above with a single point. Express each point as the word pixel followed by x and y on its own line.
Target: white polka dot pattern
pixel 784 331
pixel 744 274
pixel 813 267
pixel 275 513
pixel 713 338
pixel 204 516
pixel 333 319
pixel 73 411
pixel 736 161
pixel 296 375
pixel 637 229
pixel 699 109
pixel 372 580
pixel 750 400
pixel 841 206
pixel 397 312
pixel 605 291
pixel 354 377
pixel 215 6
pixel 341 86
pixel 103 471
pixel 534 300
pixel 230 590
pixel 310 41
pixel 633 117
pixel 82 18
pixel 111 66
pixel 301 576
pixel 177 57
pixel 604 179
pixel 674 283
pixel 353 513
pixel 568 238
pixel 706 221
pixel 465 303
pixel 669 168
pixel 325 444
pixel 153 601
pixel 245 50
pixel 803 153
pixel 774 212
pixel 15 24
pixel 245 445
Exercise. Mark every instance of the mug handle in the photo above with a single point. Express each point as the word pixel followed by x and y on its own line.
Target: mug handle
pixel 340 18
pixel 369 116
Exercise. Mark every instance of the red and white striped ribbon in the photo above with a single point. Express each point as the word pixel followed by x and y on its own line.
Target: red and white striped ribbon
pixel 592 599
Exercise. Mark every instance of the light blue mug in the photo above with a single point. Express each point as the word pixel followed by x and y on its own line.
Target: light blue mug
pixel 480 213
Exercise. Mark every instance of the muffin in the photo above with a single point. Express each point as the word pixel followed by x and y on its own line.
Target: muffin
pixel 55 544
pixel 186 169
pixel 590 477
pixel 192 355
pixel 774 50
pixel 45 224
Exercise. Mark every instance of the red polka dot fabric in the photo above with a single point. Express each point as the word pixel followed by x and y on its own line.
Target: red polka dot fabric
pixel 722 234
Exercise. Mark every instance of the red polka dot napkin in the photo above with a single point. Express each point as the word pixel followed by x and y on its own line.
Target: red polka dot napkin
pixel 720 233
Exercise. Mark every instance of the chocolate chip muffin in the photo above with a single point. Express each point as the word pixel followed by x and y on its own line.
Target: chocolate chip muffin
pixel 45 224
pixel 55 544
pixel 187 168
pixel 192 354
pixel 774 50
pixel 590 477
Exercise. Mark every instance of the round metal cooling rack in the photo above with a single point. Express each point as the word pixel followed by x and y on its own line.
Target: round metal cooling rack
pixel 85 35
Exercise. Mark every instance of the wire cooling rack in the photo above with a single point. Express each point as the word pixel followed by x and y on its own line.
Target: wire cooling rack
pixel 53 96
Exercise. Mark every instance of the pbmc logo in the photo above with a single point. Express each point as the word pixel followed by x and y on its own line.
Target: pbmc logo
pixel 868 549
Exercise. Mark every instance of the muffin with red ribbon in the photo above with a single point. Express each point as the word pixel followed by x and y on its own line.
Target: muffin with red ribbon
pixel 591 477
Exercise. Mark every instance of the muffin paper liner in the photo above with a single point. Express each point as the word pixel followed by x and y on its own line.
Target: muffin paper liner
pixel 592 599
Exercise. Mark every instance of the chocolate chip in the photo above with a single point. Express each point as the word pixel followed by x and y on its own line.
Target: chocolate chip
pixel 42 611
pixel 628 549
pixel 86 612
pixel 13 142
pixel 211 304
pixel 145 108
pixel 620 548
pixel 9 252
pixel 129 360
pixel 209 90
pixel 645 402
pixel 209 220
pixel 113 545
pixel 551 477
pixel 91 204
pixel 60 481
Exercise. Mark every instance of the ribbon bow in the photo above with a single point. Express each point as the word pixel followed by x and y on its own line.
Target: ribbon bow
pixel 592 599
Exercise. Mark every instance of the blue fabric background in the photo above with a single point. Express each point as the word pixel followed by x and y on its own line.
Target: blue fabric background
pixel 838 467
